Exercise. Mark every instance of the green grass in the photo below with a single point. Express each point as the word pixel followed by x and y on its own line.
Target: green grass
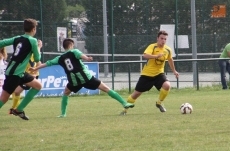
pixel 93 124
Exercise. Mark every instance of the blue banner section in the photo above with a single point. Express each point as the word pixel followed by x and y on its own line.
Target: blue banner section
pixel 54 80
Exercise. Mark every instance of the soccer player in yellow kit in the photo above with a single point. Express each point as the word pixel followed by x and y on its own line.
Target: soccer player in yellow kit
pixel 153 71
pixel 16 94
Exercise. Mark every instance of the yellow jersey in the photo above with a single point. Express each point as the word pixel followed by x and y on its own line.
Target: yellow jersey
pixel 154 67
pixel 32 64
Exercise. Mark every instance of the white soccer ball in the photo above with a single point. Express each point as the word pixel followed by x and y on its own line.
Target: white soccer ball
pixel 186 108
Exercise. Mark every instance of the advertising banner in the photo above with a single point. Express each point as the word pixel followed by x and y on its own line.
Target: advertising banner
pixel 54 80
pixel 61 35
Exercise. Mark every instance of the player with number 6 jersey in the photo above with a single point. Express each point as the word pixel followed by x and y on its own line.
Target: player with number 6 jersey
pixel 78 75
pixel 24 46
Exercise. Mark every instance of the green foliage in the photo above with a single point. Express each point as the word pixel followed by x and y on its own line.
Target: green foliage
pixel 132 24
pixel 74 11
pixel 93 123
pixel 131 19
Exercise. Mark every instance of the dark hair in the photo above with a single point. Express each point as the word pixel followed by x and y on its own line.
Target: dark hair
pixel 67 42
pixel 162 32
pixel 29 24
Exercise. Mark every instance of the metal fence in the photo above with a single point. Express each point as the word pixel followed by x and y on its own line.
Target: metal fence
pixel 128 78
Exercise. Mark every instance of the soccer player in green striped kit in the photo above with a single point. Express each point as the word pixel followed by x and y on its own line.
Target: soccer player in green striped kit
pixel 78 75
pixel 15 75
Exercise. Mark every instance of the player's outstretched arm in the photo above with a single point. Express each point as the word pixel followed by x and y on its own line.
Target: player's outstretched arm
pixel 86 58
pixel 43 65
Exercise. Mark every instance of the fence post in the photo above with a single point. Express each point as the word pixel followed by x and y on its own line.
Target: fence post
pixel 197 76
pixel 129 76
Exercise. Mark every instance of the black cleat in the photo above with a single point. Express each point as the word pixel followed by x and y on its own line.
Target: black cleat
pixel 20 114
pixel 160 107
pixel 11 111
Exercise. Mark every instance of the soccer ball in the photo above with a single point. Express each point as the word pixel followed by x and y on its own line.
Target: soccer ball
pixel 186 108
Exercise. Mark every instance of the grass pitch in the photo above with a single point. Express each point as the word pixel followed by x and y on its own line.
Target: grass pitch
pixel 93 124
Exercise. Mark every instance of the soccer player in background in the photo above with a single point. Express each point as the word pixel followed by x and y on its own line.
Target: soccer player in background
pixel 78 75
pixel 3 56
pixel 15 75
pixel 17 92
pixel 153 71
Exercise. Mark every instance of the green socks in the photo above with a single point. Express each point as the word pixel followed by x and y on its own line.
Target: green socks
pixel 64 104
pixel 27 99
pixel 117 97
pixel 1 104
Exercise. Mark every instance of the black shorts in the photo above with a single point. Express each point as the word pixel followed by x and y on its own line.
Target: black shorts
pixel 25 87
pixel 12 82
pixel 92 84
pixel 145 83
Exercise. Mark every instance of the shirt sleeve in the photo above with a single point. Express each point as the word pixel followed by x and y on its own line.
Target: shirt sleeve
pixel 227 47
pixel 169 53
pixel 53 61
pixel 77 53
pixel 7 42
pixel 36 52
pixel 149 50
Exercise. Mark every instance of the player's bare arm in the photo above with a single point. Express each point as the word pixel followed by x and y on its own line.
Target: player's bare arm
pixel 39 44
pixel 86 58
pixel 43 65
pixel 171 64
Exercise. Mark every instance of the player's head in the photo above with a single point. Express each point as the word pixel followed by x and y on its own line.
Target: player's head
pixel 30 26
pixel 161 38
pixel 68 44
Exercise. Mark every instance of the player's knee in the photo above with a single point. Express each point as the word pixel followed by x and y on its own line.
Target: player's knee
pixel 166 85
pixel 104 87
pixel 37 86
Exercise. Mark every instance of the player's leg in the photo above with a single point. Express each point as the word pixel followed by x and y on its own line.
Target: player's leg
pixel 10 84
pixel 4 98
pixel 16 98
pixel 222 65
pixel 131 99
pixel 35 85
pixel 95 83
pixel 113 94
pixel 65 100
pixel 163 85
pixel 228 68
pixel 143 84
pixel 35 88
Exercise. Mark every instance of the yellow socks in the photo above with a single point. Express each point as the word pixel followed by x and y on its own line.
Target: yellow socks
pixel 162 95
pixel 16 100
pixel 130 100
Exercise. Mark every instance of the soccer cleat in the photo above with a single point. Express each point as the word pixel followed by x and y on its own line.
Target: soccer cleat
pixel 128 105
pixel 11 111
pixel 20 114
pixel 124 112
pixel 160 107
pixel 61 116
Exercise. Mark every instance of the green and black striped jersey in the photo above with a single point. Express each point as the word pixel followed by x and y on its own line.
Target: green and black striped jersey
pixel 24 46
pixel 77 73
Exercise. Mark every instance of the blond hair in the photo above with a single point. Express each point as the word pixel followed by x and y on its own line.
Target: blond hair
pixel 3 53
